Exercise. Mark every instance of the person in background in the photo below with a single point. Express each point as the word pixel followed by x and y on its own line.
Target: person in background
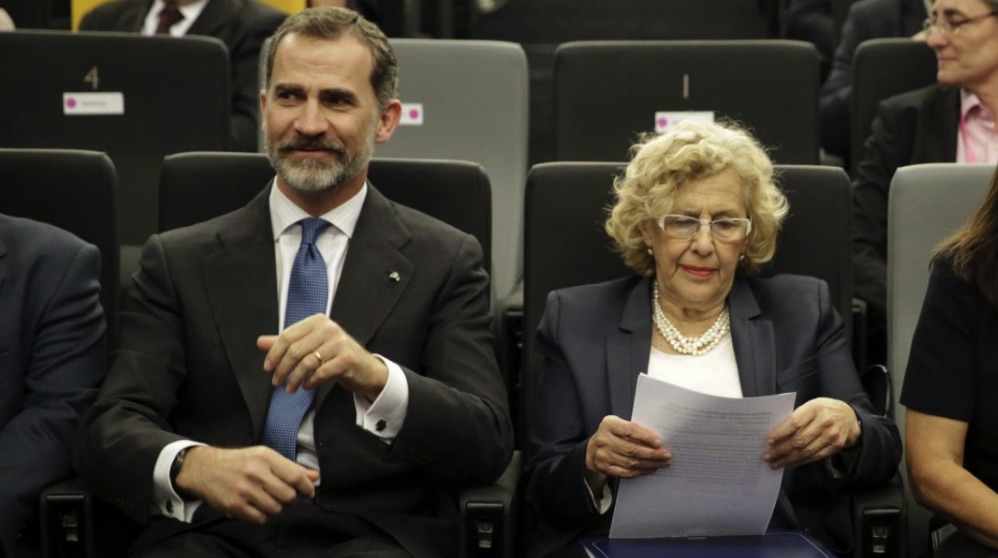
pixel 314 373
pixel 696 213
pixel 812 21
pixel 951 121
pixel 867 19
pixel 950 385
pixel 52 360
pixel 242 25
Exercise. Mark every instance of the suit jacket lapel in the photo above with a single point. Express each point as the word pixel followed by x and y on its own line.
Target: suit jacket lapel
pixel 628 348
pixel 241 284
pixel 134 17
pixel 368 289
pixel 755 348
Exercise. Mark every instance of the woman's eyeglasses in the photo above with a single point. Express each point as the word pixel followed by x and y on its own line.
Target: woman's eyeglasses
pixel 729 229
pixel 950 25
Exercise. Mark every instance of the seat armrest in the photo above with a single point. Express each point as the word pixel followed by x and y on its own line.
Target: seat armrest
pixel 879 522
pixel 877 383
pixel 75 524
pixel 66 520
pixel 488 518
pixel 510 337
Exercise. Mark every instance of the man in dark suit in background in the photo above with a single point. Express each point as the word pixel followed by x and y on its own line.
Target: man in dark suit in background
pixel 401 400
pixel 242 25
pixel 52 359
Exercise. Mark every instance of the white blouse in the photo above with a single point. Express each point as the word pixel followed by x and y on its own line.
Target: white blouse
pixel 714 373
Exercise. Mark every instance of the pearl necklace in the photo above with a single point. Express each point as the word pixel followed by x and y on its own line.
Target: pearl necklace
pixel 683 345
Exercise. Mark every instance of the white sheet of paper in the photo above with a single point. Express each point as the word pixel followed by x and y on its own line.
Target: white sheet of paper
pixel 718 483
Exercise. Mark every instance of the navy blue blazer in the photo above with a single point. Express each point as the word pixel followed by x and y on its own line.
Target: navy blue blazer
pixel 787 337
pixel 52 359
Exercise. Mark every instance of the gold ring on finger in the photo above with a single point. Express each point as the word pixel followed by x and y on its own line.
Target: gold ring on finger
pixel 318 356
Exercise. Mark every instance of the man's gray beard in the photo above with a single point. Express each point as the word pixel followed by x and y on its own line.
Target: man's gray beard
pixel 310 177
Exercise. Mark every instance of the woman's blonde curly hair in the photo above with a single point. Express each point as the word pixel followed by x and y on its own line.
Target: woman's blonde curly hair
pixel 664 165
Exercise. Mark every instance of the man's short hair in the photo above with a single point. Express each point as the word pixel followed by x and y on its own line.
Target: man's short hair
pixel 331 23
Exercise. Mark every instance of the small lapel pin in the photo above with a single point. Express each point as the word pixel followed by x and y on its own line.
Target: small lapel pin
pixel 394 276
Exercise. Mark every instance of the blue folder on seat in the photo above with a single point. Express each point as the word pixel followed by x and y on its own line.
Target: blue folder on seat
pixel 782 544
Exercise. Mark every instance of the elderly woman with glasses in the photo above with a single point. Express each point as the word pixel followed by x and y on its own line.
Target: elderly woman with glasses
pixel 951 121
pixel 696 213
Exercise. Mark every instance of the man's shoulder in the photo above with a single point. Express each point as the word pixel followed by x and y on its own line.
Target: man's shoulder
pixel 33 239
pixel 788 285
pixel 919 99
pixel 261 11
pixel 598 298
pixel 419 222
pixel 906 110
pixel 211 229
pixel 107 17
pixel 789 298
pixel 879 13
pixel 244 14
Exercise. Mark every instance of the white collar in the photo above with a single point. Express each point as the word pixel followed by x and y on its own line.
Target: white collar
pixel 284 213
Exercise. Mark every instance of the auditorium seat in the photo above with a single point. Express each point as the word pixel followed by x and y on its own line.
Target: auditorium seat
pixel 883 68
pixel 133 97
pixel 468 100
pixel 607 93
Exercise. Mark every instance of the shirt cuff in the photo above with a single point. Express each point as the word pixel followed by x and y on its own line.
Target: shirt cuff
pixel 384 416
pixel 606 498
pixel 166 501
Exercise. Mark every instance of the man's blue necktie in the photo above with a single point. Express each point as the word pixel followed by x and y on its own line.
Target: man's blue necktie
pixel 307 293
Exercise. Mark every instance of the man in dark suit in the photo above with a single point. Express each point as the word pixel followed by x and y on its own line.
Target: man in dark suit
pixel 242 25
pixel 52 359
pixel 408 405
